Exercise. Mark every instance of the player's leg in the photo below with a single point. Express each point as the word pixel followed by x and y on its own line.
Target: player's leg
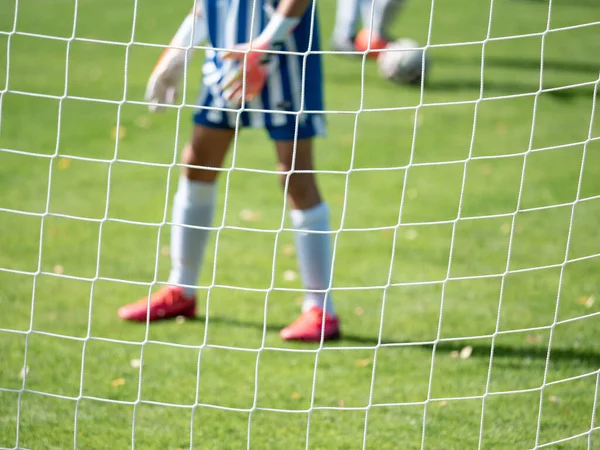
pixel 377 17
pixel 194 202
pixel 366 13
pixel 384 14
pixel 193 210
pixel 346 21
pixel 310 218
pixel 295 165
pixel 298 84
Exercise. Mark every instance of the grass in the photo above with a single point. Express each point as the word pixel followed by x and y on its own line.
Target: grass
pixel 82 232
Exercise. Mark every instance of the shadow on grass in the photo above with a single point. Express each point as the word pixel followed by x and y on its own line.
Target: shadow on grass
pixel 492 88
pixel 510 87
pixel 534 64
pixel 480 349
pixel 589 3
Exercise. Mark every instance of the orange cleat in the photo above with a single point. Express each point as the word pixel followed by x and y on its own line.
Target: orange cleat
pixel 167 303
pixel 361 43
pixel 309 325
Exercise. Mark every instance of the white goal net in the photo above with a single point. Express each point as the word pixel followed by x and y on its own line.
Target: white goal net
pixel 464 215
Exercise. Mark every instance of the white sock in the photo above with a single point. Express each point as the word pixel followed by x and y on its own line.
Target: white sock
pixel 346 19
pixel 194 205
pixel 365 12
pixel 384 13
pixel 314 255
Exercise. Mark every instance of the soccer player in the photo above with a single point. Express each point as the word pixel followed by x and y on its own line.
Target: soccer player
pixel 344 36
pixel 239 71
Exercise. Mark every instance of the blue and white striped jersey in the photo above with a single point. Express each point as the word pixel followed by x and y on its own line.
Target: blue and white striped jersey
pixel 295 79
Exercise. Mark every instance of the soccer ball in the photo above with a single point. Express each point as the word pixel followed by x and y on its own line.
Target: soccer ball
pixel 402 62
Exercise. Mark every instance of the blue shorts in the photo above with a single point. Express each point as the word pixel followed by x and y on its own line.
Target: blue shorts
pixel 295 81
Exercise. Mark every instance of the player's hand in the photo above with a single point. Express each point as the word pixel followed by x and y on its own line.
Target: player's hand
pixel 248 76
pixel 162 86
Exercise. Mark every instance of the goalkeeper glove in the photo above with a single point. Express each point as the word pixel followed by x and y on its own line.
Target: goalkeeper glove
pixel 162 87
pixel 254 67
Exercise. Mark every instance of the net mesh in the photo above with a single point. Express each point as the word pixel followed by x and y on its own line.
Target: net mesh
pixel 435 337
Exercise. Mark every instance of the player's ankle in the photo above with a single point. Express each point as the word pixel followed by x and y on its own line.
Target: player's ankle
pixel 311 302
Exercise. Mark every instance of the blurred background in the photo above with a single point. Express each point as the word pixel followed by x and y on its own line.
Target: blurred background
pixel 466 262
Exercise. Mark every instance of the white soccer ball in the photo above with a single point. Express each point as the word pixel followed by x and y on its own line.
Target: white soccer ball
pixel 402 62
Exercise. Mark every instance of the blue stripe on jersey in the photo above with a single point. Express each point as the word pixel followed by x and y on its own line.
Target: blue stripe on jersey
pixel 242 31
pixel 211 17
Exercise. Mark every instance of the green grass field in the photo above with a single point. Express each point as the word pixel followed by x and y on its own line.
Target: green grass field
pixel 82 231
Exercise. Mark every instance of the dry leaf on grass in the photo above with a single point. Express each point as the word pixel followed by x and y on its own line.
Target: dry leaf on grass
pixel 388 232
pixel 443 403
pixel 359 311
pixel 58 269
pixel 533 338
pixel 64 163
pixel 142 122
pixel 165 250
pixel 296 396
pixel 486 169
pixel 363 362
pixel 289 275
pixel 419 119
pixel 249 215
pixel 465 353
pixel 117 382
pixel 119 133
pixel 412 193
pixel 411 234
pixel 288 250
pixel 554 399
pixel 135 363
pixel 24 371
pixel 586 301
pixel 341 404
pixel 180 319
pixel 454 354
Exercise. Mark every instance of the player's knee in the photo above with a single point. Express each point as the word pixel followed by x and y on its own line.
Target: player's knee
pixel 203 156
pixel 196 166
pixel 300 187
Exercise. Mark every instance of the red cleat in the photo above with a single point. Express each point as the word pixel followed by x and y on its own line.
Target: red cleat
pixel 309 325
pixel 361 43
pixel 166 303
